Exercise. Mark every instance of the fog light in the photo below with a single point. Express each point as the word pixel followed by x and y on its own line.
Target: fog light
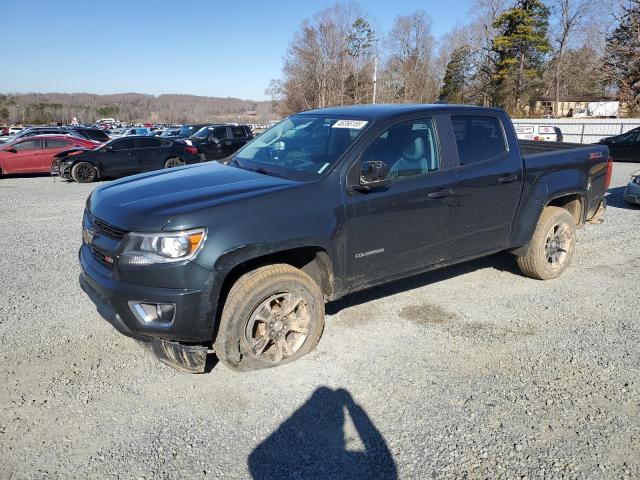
pixel 160 314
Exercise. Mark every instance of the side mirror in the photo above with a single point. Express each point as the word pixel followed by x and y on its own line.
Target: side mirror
pixel 11 150
pixel 108 148
pixel 374 175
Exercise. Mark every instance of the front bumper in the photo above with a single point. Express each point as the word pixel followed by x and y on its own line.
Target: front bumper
pixel 632 193
pixel 62 170
pixel 194 316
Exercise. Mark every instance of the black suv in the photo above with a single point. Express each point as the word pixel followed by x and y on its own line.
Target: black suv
pixel 123 156
pixel 216 142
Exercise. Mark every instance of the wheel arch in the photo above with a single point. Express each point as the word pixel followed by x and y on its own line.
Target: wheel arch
pixel 574 201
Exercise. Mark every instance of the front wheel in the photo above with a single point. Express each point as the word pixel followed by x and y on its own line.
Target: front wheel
pixel 552 246
pixel 84 172
pixel 273 315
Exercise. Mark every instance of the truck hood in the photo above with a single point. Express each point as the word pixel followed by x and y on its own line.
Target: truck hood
pixel 147 202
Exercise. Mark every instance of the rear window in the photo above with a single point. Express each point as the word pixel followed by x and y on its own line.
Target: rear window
pixel 96 135
pixel 55 143
pixel 239 132
pixel 478 138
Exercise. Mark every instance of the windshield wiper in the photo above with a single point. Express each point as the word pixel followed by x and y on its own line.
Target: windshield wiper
pixel 234 162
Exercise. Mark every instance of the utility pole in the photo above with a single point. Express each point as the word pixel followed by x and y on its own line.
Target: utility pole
pixel 375 78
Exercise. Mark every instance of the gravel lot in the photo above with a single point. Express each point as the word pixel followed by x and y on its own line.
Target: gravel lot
pixel 472 371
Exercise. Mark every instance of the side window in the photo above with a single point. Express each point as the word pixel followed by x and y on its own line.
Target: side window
pixel 55 143
pixel 478 138
pixel 148 142
pixel 28 145
pixel 220 133
pixel 124 144
pixel 408 149
pixel 238 132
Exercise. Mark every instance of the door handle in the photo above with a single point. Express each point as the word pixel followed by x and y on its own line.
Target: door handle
pixel 508 179
pixel 227 143
pixel 441 193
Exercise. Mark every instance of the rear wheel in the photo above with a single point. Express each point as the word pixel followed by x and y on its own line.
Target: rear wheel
pixel 272 316
pixel 173 162
pixel 552 246
pixel 84 172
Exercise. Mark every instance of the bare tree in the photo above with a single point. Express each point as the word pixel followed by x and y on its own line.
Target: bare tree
pixel 409 74
pixel 568 17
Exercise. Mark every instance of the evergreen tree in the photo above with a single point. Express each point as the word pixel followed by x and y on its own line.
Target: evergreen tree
pixel 622 58
pixel 456 76
pixel 520 47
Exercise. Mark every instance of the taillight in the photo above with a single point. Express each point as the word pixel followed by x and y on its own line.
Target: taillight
pixel 536 138
pixel 191 149
pixel 607 178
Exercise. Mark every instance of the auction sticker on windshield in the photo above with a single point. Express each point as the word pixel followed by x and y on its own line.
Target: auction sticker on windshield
pixel 352 124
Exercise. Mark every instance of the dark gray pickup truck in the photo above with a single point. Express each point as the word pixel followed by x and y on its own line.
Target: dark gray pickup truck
pixel 239 259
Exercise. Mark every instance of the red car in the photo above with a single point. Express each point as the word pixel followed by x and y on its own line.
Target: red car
pixel 35 154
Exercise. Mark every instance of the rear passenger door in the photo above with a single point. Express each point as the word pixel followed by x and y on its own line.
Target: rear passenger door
pixel 489 177
pixel 151 153
pixel 51 147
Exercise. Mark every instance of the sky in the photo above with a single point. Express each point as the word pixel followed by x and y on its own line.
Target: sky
pixel 212 48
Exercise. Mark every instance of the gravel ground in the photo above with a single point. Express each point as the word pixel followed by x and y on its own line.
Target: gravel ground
pixel 472 371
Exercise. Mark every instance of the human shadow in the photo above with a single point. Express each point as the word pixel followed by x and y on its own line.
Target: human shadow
pixel 313 443
pixel 615 199
pixel 505 262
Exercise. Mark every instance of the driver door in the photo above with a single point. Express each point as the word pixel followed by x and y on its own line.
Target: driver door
pixel 26 158
pixel 406 226
pixel 119 158
pixel 219 144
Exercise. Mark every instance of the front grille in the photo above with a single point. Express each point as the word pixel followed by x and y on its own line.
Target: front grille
pixel 102 257
pixel 109 230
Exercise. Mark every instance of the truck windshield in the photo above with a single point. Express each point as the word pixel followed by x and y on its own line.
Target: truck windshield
pixel 301 147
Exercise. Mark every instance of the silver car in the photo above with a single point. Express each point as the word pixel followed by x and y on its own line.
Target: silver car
pixel 632 192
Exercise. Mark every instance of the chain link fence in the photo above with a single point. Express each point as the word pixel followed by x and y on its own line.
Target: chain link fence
pixel 583 130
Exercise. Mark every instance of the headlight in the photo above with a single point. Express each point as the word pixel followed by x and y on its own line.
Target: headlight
pixel 154 248
pixel 636 180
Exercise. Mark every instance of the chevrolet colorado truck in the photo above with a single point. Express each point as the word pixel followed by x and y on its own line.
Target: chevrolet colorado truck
pixel 240 258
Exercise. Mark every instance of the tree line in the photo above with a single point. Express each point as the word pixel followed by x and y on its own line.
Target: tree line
pixel 507 55
pixel 47 108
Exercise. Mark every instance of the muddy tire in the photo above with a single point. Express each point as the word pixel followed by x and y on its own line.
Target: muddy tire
pixel 174 162
pixel 273 315
pixel 84 172
pixel 552 246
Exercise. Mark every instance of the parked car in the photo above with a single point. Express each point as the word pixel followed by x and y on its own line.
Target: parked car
pixel 95 134
pixel 50 130
pixel 632 190
pixel 542 133
pixel 135 131
pixel 123 156
pixel 35 154
pixel 216 142
pixel 171 132
pixel 624 147
pixel 187 130
pixel 240 258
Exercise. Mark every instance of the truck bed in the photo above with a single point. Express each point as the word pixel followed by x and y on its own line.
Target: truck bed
pixel 530 147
